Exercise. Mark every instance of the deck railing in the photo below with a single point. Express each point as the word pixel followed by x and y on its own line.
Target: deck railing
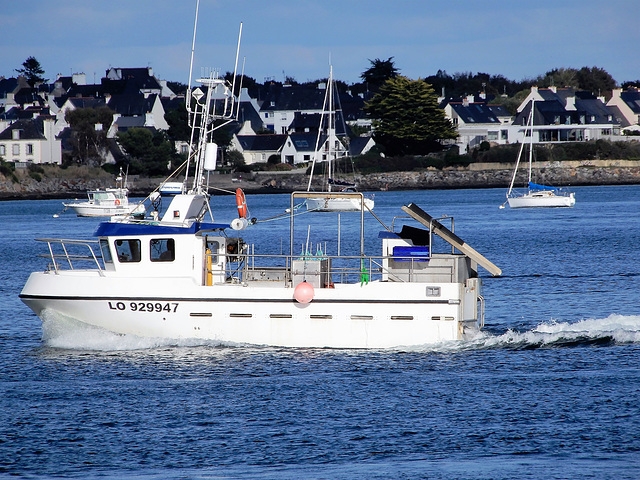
pixel 69 252
pixel 325 270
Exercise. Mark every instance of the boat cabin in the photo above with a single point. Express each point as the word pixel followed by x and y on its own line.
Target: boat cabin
pixel 152 250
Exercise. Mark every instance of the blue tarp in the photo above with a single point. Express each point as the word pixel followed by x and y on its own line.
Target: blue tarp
pixel 535 186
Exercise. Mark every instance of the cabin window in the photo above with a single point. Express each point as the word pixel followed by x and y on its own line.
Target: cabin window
pixel 106 253
pixel 163 250
pixel 128 250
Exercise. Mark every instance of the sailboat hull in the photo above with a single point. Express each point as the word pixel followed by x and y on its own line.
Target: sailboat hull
pixel 329 204
pixel 548 199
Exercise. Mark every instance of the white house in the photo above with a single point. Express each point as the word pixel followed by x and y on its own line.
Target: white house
pixel 31 141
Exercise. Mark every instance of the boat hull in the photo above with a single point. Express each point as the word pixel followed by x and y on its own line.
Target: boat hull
pixel 327 204
pixel 86 209
pixel 542 200
pixel 373 315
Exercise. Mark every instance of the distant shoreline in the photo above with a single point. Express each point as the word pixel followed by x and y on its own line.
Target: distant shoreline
pixel 475 176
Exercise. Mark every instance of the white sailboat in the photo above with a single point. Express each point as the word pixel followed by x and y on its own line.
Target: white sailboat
pixel 536 195
pixel 328 144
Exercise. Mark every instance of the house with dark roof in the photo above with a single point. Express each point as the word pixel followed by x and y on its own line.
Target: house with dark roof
pixel 136 110
pixel 8 89
pixel 300 147
pixel 626 107
pixel 360 145
pixel 565 115
pixel 477 122
pixel 31 141
pixel 258 148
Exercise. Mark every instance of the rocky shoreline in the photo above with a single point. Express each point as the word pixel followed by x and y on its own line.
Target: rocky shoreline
pixel 595 172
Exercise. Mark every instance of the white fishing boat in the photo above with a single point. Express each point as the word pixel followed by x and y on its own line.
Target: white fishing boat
pixel 330 151
pixel 183 278
pixel 108 202
pixel 179 275
pixel 535 195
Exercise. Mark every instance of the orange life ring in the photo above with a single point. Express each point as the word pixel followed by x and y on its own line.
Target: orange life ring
pixel 117 202
pixel 242 203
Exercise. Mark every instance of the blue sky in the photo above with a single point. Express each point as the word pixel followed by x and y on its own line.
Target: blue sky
pixel 515 38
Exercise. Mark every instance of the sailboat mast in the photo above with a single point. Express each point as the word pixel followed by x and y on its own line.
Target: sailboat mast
pixel 331 128
pixel 515 170
pixel 531 138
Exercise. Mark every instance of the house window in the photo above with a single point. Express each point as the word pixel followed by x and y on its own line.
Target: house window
pixel 492 135
pixel 29 149
pixel 306 158
pixel 504 134
pixel 16 149
pixel 3 150
pixel 288 159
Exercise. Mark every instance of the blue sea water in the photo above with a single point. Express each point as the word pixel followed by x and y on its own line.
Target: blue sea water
pixel 550 390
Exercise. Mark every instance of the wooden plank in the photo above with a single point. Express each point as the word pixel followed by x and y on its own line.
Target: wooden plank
pixel 447 235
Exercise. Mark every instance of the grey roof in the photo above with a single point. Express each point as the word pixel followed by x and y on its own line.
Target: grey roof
pixel 357 144
pixel 475 113
pixel 134 104
pixel 248 113
pixel 305 122
pixel 306 142
pixel 30 130
pixel 87 102
pixel 499 110
pixel 262 142
pixel 632 98
pixel 7 85
pixel 124 123
pixel 293 98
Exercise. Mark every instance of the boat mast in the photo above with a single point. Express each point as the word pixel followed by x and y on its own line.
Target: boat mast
pixel 515 170
pixel 203 115
pixel 331 129
pixel 531 139
pixel 316 151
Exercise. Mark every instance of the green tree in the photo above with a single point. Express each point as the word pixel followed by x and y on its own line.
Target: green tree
pixel 32 69
pixel 88 142
pixel 407 119
pixel 150 152
pixel 177 118
pixel 595 80
pixel 379 72
pixel 559 77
